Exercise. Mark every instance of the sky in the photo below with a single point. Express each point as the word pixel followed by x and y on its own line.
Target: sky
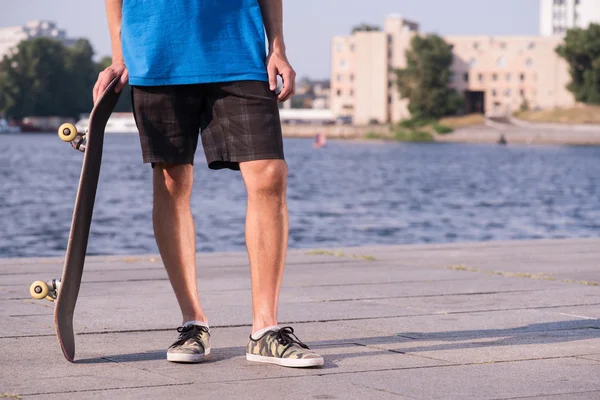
pixel 310 24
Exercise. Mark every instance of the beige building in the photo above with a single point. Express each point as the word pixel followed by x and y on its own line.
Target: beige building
pixel 495 74
pixel 499 74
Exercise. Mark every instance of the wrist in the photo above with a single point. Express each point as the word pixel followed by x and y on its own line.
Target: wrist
pixel 277 46
pixel 118 60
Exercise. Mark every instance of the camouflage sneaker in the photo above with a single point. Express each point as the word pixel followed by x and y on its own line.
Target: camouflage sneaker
pixel 279 347
pixel 193 345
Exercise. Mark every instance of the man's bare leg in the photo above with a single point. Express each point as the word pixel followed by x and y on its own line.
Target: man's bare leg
pixel 175 235
pixel 266 235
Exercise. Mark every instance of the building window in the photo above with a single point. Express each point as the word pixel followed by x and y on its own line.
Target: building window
pixel 466 77
pixel 501 62
pixel 475 45
pixel 529 62
pixel 340 47
pixel 390 38
pixel 390 84
pixel 493 92
pixel 507 92
pixel 473 62
pixel 339 77
pixel 352 48
pixel 480 77
pixel 343 64
pixel 495 77
pixel 502 45
pixel 531 46
pixel 389 99
pixel 351 93
pixel 339 92
pixel 522 92
pixel 452 76
pixel 522 77
pixel 352 78
pixel 508 77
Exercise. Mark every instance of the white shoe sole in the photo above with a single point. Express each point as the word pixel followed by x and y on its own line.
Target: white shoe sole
pixel 188 358
pixel 286 362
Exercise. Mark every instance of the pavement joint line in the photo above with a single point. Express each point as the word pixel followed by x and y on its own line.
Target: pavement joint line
pixel 546 395
pixel 91 268
pixel 586 357
pixel 107 389
pixel 382 390
pixel 316 321
pixel 418 296
pixel 165 279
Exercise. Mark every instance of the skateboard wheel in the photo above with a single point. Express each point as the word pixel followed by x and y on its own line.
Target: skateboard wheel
pixel 67 132
pixel 39 290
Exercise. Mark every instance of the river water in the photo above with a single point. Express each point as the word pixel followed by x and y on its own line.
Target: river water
pixel 348 193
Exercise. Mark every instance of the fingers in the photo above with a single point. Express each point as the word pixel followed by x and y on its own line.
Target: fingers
pixel 122 82
pixel 289 84
pixel 105 78
pixel 97 87
pixel 272 72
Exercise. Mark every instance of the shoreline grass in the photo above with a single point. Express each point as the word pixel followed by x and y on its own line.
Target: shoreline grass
pixel 584 115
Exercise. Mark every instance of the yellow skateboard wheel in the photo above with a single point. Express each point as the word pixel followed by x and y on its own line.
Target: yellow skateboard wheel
pixel 38 290
pixel 67 132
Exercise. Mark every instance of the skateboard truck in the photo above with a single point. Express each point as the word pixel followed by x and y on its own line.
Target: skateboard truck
pixel 45 290
pixel 68 133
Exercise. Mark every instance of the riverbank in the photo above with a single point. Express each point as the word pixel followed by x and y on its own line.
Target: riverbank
pixel 501 320
pixel 580 115
pixel 469 129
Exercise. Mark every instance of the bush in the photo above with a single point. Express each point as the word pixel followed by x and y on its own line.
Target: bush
pixel 373 135
pixel 441 129
pixel 412 136
pixel 414 122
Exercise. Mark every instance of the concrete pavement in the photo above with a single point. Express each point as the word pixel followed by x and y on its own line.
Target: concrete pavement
pixel 495 320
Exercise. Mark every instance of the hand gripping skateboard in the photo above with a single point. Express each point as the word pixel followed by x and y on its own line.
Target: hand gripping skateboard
pixel 66 289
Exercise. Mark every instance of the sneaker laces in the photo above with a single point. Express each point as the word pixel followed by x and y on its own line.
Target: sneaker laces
pixel 284 337
pixel 189 332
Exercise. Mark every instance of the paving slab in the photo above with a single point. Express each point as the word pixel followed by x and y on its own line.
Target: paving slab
pixel 496 320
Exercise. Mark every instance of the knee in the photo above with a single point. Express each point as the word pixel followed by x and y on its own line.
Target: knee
pixel 174 180
pixel 266 178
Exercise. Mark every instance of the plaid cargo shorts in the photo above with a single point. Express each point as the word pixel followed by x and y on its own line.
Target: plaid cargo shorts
pixel 237 121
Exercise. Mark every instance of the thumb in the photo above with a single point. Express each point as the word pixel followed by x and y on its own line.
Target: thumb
pixel 272 71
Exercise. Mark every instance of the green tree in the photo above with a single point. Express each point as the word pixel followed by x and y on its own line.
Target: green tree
pixel 34 80
pixel 426 78
pixel 82 72
pixel 42 78
pixel 581 50
pixel 364 27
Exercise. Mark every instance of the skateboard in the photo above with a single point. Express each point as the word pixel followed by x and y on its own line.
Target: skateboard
pixel 65 290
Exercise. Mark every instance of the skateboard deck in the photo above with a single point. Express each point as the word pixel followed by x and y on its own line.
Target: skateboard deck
pixel 66 290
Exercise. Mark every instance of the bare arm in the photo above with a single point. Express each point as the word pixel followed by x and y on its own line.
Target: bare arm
pixel 117 69
pixel 114 15
pixel 277 63
pixel 272 13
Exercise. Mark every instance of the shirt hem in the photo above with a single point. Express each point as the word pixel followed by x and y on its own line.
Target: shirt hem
pixel 198 79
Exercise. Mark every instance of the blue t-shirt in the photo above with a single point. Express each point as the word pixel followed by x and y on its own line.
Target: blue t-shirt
pixel 173 42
